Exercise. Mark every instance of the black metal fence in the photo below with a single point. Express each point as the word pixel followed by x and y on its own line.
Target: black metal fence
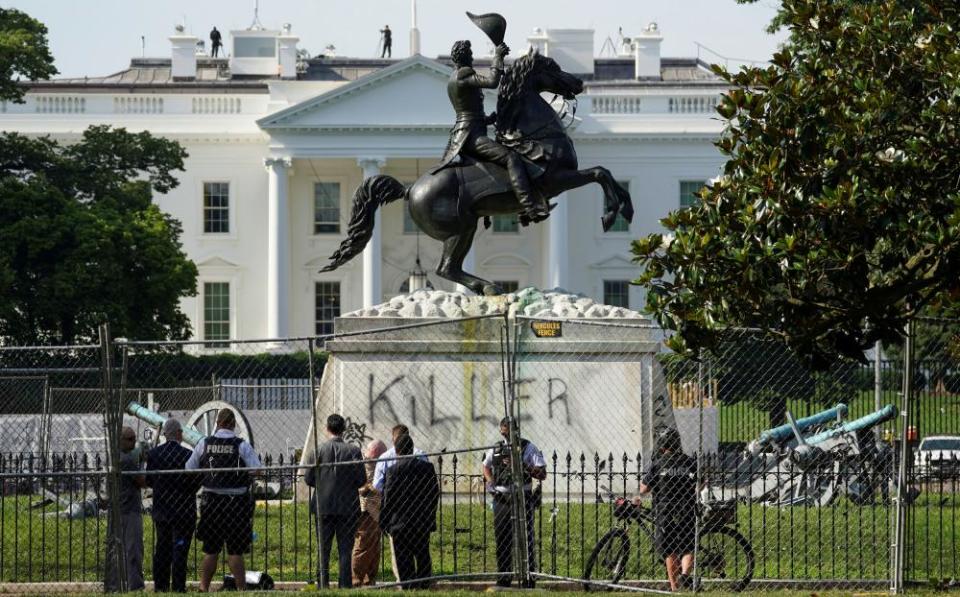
pixel 825 520
pixel 52 521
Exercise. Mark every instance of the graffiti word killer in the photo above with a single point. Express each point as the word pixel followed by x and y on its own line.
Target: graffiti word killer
pixel 404 394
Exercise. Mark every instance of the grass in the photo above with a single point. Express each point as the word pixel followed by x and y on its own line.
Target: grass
pixel 842 541
pixel 440 592
pixel 935 414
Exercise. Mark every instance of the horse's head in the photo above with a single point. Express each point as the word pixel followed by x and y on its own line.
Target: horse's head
pixel 520 107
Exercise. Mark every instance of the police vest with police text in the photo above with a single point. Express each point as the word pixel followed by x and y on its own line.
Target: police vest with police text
pixel 223 452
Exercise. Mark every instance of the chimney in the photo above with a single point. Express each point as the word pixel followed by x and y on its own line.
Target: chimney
pixel 571 48
pixel 538 41
pixel 414 32
pixel 646 53
pixel 287 49
pixel 183 64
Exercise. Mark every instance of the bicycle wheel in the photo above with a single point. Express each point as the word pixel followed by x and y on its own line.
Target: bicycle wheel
pixel 725 559
pixel 608 560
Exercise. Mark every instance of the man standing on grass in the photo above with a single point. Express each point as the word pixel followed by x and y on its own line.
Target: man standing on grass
pixel 226 506
pixel 131 516
pixel 174 509
pixel 366 547
pixel 498 474
pixel 410 499
pixel 337 501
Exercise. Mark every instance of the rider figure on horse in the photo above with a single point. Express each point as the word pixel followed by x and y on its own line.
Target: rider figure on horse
pixel 468 137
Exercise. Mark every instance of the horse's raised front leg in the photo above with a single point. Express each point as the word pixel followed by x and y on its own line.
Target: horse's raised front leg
pixel 616 198
pixel 455 249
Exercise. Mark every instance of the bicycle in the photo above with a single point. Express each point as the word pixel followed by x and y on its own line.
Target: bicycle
pixel 724 557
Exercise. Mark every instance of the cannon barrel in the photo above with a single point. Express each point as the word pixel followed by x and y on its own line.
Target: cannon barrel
pixel 190 435
pixel 785 432
pixel 866 422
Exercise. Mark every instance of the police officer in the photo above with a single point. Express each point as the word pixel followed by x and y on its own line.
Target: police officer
pixel 216 42
pixel 226 507
pixel 498 474
pixel 386 37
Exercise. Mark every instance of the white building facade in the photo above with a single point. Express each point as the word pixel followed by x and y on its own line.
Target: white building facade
pixel 278 144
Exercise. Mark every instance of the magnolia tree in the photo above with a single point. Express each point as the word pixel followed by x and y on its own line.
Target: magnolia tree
pixel 837 216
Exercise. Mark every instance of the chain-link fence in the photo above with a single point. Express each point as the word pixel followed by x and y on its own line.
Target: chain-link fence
pixel 619 464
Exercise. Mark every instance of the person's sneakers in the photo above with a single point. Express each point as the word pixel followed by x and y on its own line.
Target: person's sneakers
pixel 528 584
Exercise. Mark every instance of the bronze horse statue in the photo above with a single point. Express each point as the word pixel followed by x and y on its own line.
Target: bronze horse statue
pixel 448 205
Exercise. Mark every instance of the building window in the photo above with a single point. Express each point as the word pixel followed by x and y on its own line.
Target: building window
pixel 508 285
pixel 216 313
pixel 616 293
pixel 328 306
pixel 687 190
pixel 621 224
pixel 326 208
pixel 409 226
pixel 216 207
pixel 506 223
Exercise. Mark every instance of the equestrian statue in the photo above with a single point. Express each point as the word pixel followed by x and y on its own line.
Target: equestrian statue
pixel 530 160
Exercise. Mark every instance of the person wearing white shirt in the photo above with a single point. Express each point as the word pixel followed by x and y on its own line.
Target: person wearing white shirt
pixel 388 459
pixel 498 474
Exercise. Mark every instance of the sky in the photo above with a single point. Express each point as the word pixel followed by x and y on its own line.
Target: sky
pixel 98 37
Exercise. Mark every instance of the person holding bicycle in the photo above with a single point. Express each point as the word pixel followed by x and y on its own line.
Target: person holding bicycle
pixel 672 481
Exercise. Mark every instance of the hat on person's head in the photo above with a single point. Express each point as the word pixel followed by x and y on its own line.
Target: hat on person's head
pixel 170 427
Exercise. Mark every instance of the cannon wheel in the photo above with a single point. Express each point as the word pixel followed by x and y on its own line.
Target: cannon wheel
pixel 204 419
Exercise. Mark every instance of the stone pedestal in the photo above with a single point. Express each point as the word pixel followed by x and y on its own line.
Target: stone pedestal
pixel 588 381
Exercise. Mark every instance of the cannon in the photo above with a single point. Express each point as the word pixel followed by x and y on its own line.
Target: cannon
pixel 201 422
pixel 198 425
pixel 811 462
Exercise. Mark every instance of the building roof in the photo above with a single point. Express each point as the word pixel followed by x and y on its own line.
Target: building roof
pixel 214 73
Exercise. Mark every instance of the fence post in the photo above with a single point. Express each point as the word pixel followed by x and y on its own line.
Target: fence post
pixel 898 550
pixel 114 573
pixel 877 388
pixel 316 453
pixel 521 563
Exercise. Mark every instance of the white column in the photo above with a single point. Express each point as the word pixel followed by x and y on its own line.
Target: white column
pixel 558 236
pixel 372 261
pixel 278 247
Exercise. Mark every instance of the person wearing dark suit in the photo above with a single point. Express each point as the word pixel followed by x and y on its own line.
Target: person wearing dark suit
pixel 336 501
pixel 411 494
pixel 174 509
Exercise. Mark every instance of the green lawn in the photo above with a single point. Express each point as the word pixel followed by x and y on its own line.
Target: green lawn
pixel 936 414
pixel 440 592
pixel 842 541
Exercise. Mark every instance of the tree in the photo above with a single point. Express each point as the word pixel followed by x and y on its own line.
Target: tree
pixel 751 368
pixel 23 52
pixel 81 241
pixel 837 217
pixel 936 352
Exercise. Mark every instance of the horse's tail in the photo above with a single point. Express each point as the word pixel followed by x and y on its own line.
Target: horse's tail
pixel 371 194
